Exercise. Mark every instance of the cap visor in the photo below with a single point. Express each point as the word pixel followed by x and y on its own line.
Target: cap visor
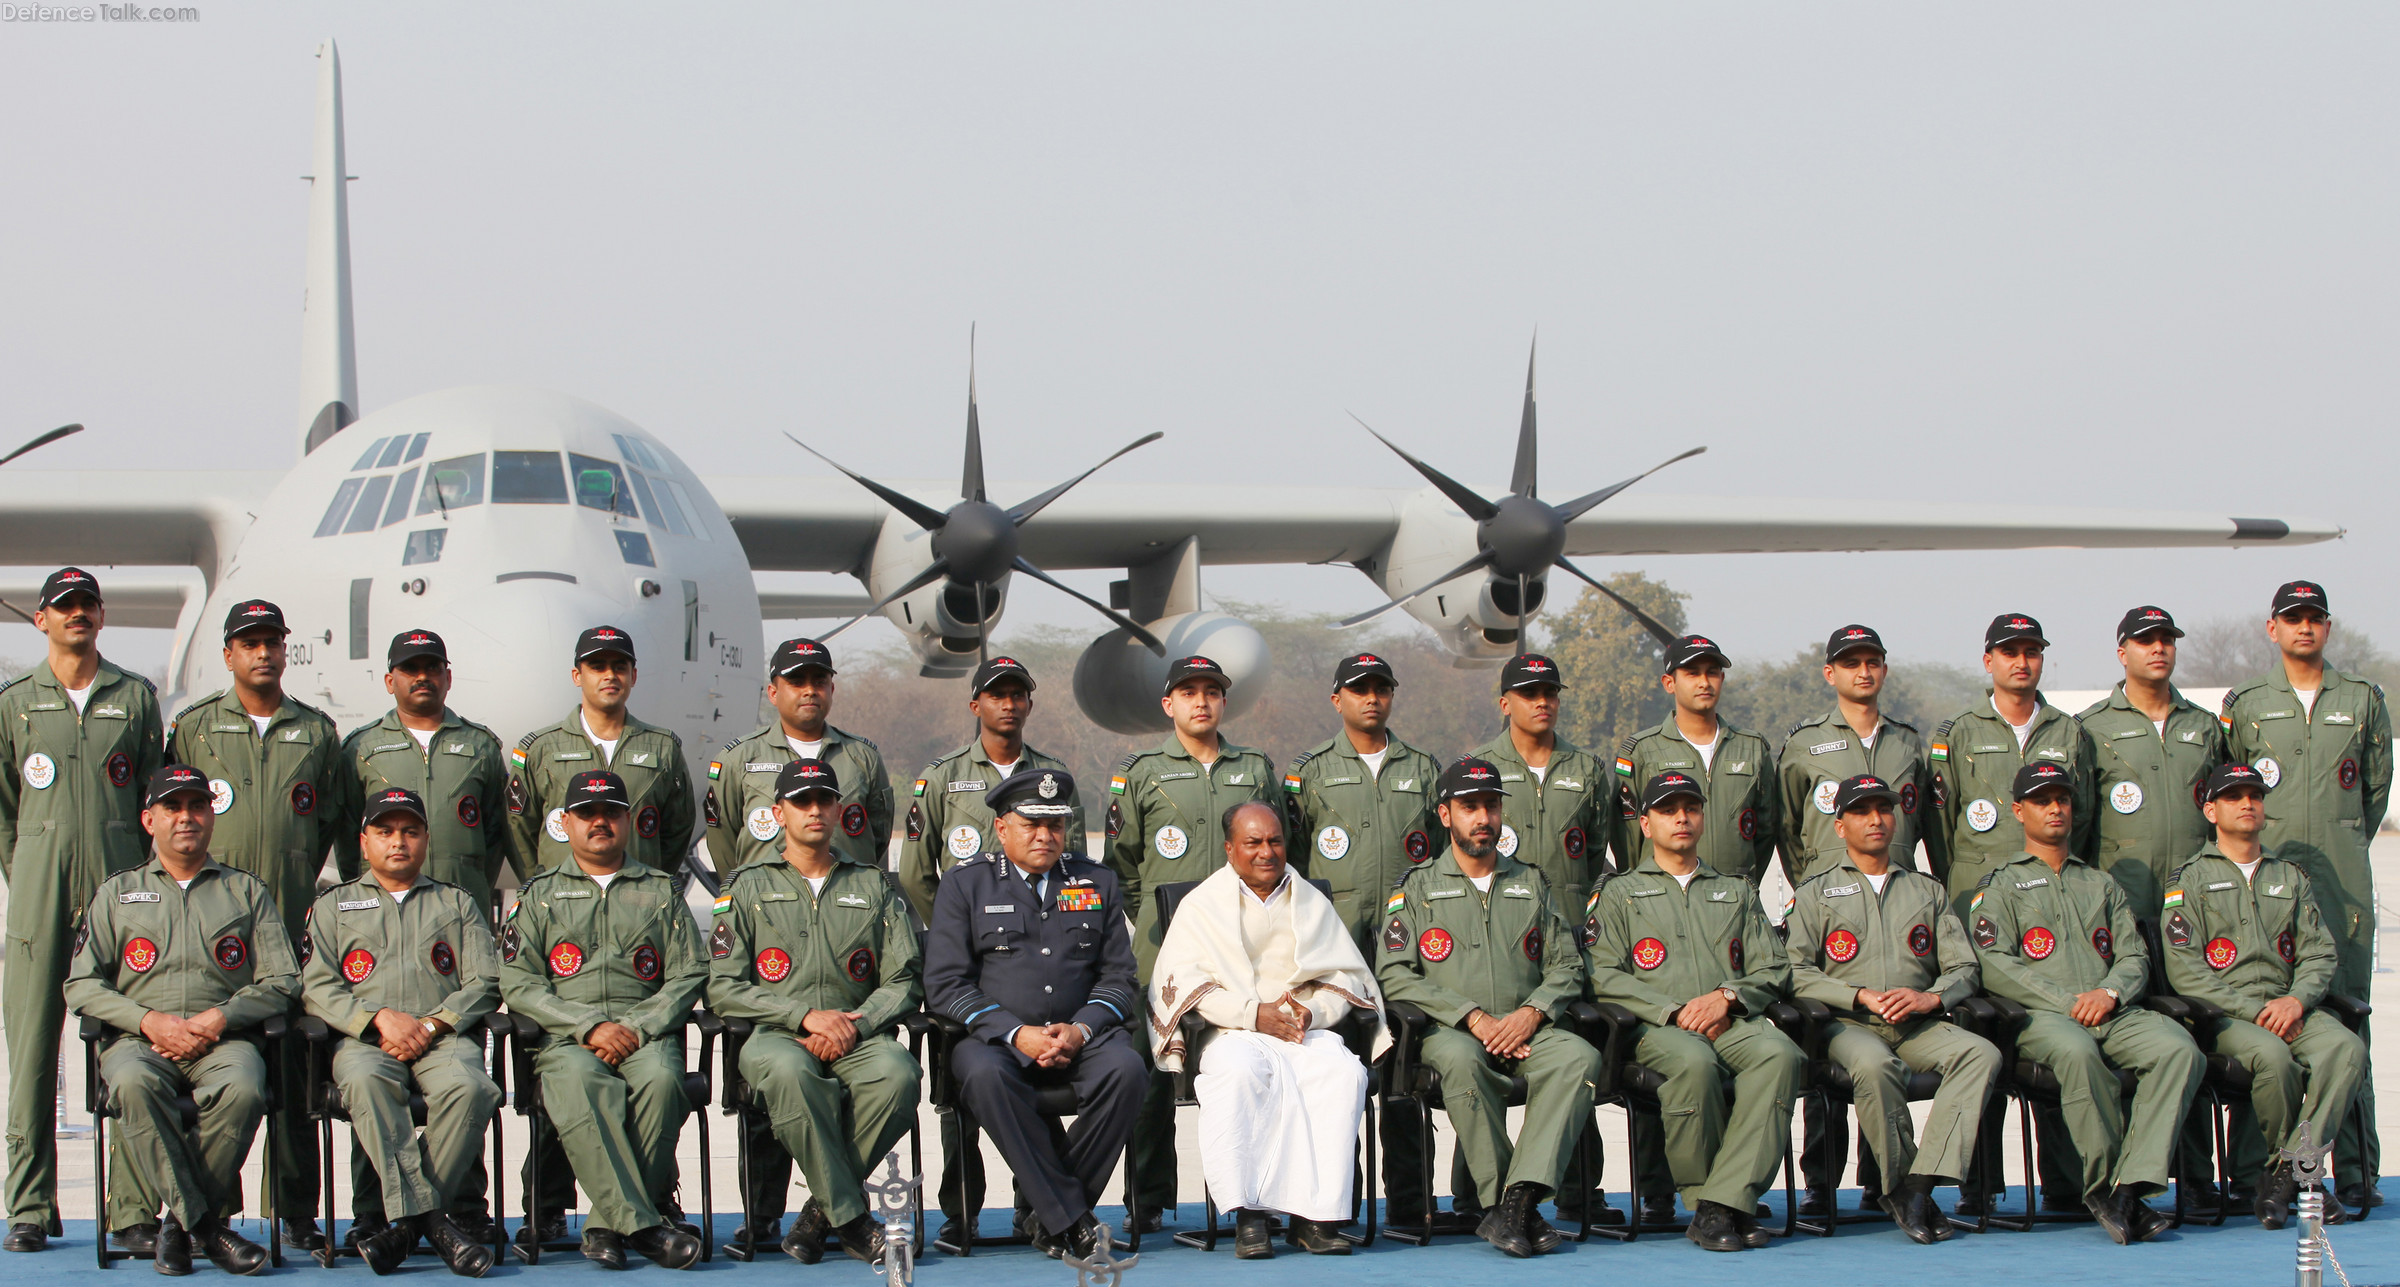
pixel 1043 810
pixel 804 792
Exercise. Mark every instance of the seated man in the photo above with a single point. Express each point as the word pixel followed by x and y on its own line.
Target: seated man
pixel 1882 946
pixel 603 954
pixel 821 954
pixel 2058 937
pixel 400 963
pixel 1266 958
pixel 1029 950
pixel 1689 951
pixel 1475 940
pixel 185 954
pixel 2243 933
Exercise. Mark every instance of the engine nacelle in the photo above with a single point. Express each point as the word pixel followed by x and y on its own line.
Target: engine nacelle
pixel 938 619
pixel 1117 680
pixel 1476 614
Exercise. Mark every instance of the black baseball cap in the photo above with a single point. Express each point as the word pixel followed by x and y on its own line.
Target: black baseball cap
pixel 1866 786
pixel 1196 668
pixel 1692 648
pixel 2299 594
pixel 795 655
pixel 600 641
pixel 597 786
pixel 1850 638
pixel 1365 665
pixel 254 614
pixel 2040 775
pixel 2012 626
pixel 1668 785
pixel 173 779
pixel 1469 776
pixel 1530 670
pixel 58 585
pixel 1033 793
pixel 997 669
pixel 2227 777
pixel 392 800
pixel 804 776
pixel 409 645
pixel 2147 619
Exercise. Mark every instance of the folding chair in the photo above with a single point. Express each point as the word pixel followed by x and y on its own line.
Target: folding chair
pixel 2031 1085
pixel 96 1093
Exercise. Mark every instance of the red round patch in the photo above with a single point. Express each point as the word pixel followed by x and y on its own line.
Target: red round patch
pixel 565 960
pixel 470 811
pixel 1734 955
pixel 1574 842
pixel 854 820
pixel 1908 797
pixel 1920 939
pixel 120 770
pixel 2038 943
pixel 1418 845
pixel 1434 945
pixel 140 955
pixel 2104 943
pixel 231 952
pixel 645 963
pixel 646 822
pixel 1533 945
pixel 304 798
pixel 861 965
pixel 1649 954
pixel 445 961
pixel 1747 824
pixel 1841 946
pixel 357 964
pixel 2286 948
pixel 2222 954
pixel 773 965
pixel 2346 774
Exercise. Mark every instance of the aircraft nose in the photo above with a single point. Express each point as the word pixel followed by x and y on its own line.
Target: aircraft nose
pixel 509 630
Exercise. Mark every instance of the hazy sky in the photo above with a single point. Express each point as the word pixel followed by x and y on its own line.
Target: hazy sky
pixel 2067 254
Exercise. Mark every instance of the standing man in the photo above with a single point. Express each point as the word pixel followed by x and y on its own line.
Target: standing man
pixel 1854 737
pixel 1476 941
pixel 821 955
pixel 602 954
pixel 1359 813
pixel 950 821
pixel 2245 935
pixel 183 956
pixel 1165 813
pixel 602 734
pixel 2321 739
pixel 1736 766
pixel 454 764
pixel 1976 755
pixel 276 770
pixel 77 738
pixel 1882 946
pixel 1029 951
pixel 2059 939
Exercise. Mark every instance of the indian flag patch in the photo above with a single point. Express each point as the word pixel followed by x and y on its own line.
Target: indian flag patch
pixel 1624 767
pixel 715 767
pixel 516 757
pixel 1591 904
pixel 2227 721
pixel 1939 751
pixel 1116 784
pixel 1975 903
pixel 723 905
pixel 2174 899
pixel 1396 904
pixel 1291 783
pixel 919 788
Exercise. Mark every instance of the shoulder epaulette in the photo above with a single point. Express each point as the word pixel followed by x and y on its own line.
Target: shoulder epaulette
pixel 867 742
pixel 196 705
pixel 2242 689
pixel 1127 762
pixel 1797 726
pixel 526 742
pixel 1899 723
pixel 4 687
pixel 1987 879
pixel 1607 874
pixel 1625 746
pixel 1301 760
pixel 481 729
pixel 139 678
pixel 1942 733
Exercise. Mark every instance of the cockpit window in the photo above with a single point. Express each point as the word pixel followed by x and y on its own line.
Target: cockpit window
pixel 600 484
pixel 452 484
pixel 374 449
pixel 340 508
pixel 639 453
pixel 370 505
pixel 635 547
pixel 403 492
pixel 527 478
pixel 416 447
pixel 391 454
pixel 424 547
pixel 672 491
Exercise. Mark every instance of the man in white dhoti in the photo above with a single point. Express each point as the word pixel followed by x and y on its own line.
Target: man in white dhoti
pixel 1266 959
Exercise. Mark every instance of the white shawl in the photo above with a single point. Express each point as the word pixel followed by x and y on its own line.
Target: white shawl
pixel 1203 952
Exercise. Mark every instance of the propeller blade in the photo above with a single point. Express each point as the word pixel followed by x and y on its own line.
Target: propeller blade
pixel 970 478
pixel 19 611
pixel 1579 506
pixel 1521 481
pixel 918 512
pixel 1476 507
pixel 933 571
pixel 1039 503
pixel 1664 636
pixel 1462 569
pixel 43 441
pixel 1132 627
pixel 1521 614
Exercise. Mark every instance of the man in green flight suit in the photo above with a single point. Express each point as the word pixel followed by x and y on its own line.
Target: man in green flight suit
pixel 1689 951
pixel 2244 934
pixel 1736 766
pixel 739 811
pixel 402 966
pixel 1476 941
pixel 78 737
pixel 602 734
pixel 2322 740
pixel 602 954
pixel 1882 947
pixel 182 956
pixel 2059 938
pixel 1854 737
pixel 1359 814
pixel 822 956
pixel 275 766
pixel 949 822
pixel 457 766
pixel 1976 755
pixel 1165 813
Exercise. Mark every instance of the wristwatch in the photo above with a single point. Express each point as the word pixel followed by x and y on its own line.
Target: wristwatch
pixel 430 1029
pixel 2112 994
pixel 1731 997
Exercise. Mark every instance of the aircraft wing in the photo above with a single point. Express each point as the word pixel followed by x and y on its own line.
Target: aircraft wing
pixel 139 517
pixel 150 599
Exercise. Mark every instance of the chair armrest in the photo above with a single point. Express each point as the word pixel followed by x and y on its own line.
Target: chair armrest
pixel 1197 1033
pixel 1817 1026
pixel 1357 1030
pixel 2182 1009
pixel 947 1035
pixel 92 1029
pixel 1409 1026
pixel 275 1027
pixel 1788 1017
pixel 312 1028
pixel 1614 1031
pixel 707 1022
pixel 2350 1010
pixel 1976 1014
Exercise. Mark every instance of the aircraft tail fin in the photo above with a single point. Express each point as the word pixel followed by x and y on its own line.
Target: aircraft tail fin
pixel 328 351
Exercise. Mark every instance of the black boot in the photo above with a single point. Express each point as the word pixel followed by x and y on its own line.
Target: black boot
pixel 806 1242
pixel 1816 1204
pixel 26 1237
pixel 300 1233
pixel 1746 1224
pixel 2110 1215
pixel 603 1247
pixel 1544 1236
pixel 2142 1220
pixel 1658 1212
pixel 1504 1225
pixel 1316 1237
pixel 466 1257
pixel 2278 1193
pixel 174 1256
pixel 1912 1210
pixel 139 1239
pixel 383 1248
pixel 545 1228
pixel 862 1238
pixel 1714 1228
pixel 1252 1240
pixel 665 1246
pixel 228 1250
